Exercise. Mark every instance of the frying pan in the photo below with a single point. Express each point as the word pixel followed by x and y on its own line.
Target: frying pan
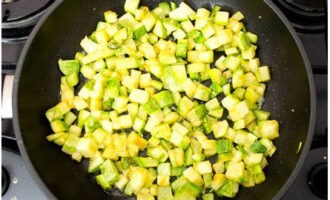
pixel 290 95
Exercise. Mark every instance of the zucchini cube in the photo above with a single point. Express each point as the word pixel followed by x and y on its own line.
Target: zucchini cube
pixel 221 18
pixel 139 96
pixel 220 128
pixel 263 74
pixel 239 111
pixel 217 181
pixel 269 129
pixel 87 146
pixel 58 126
pixel 176 157
pixel 164 98
pixel 158 153
pixel 193 176
pixel 228 189
pixel 204 167
pixel 164 193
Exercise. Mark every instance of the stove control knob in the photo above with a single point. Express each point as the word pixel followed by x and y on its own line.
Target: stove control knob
pixel 317 180
pixel 5 180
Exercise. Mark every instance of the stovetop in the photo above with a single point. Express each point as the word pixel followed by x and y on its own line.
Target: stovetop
pixel 309 19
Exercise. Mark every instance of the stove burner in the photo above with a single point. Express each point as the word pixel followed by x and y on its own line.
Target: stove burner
pixel 315 7
pixel 311 182
pixel 4 180
pixel 19 16
pixel 305 15
pixel 318 180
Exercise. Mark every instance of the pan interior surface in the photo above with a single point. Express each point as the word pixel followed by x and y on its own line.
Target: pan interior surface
pixel 288 95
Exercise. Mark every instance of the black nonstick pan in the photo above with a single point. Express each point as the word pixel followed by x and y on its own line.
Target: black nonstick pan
pixel 290 95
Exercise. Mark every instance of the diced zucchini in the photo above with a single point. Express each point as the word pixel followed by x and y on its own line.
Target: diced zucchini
pixel 182 47
pixel 87 146
pixel 217 113
pixel 70 145
pixel 95 162
pixel 269 129
pixel 57 111
pixel 228 189
pixel 179 34
pixel 159 29
pixel 259 175
pixel 162 10
pixel 164 169
pixel 145 161
pixel 101 180
pixel 231 62
pixel 235 171
pixel 258 147
pixel 221 18
pixel 163 180
pixel 99 53
pixel 58 126
pixel 252 37
pixel 243 41
pixel 151 106
pixel 224 146
pixel 136 67
pixel 240 137
pixel 139 32
pixel 158 153
pixel 88 45
pixel 249 53
pixel 261 114
pixel 193 176
pixel 216 89
pixel 165 193
pixel 131 5
pixel 269 145
pixel 174 77
pixel 238 79
pixel 220 128
pixel 204 167
pixel 208 196
pixel 238 111
pixel 202 93
pixel 189 191
pixel 229 101
pixel 251 95
pixel 91 124
pixel 139 124
pixel 197 115
pixel 212 104
pixel 139 96
pixel 110 17
pixel 138 179
pixel 68 67
pixel 183 12
pixel 197 36
pixel 170 25
pixel 217 181
pixel 263 74
pixel 176 157
pixel 164 98
pixel 126 63
pixel 253 159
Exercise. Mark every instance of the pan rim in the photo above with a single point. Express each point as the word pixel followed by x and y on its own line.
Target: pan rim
pixel 33 173
pixel 312 117
pixel 303 153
